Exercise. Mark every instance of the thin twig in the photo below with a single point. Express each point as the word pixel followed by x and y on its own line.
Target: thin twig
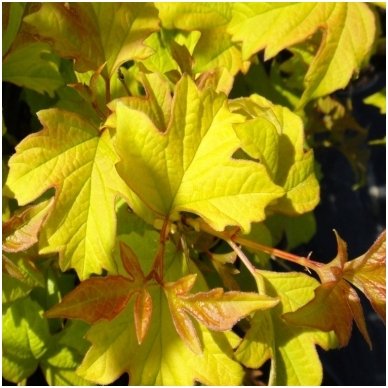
pixel 158 266
pixel 242 256
pixel 303 261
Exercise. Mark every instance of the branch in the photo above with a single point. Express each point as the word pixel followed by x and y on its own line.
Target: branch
pixel 303 261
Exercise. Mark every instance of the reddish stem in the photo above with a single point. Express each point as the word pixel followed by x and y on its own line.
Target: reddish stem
pixel 158 266
pixel 303 261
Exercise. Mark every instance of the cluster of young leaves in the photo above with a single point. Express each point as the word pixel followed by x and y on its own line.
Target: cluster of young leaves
pixel 140 120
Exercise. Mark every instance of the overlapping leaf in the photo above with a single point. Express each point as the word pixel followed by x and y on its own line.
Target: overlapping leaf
pixel 103 298
pixel 332 121
pixel 20 232
pixel 27 343
pixel 194 16
pixel 33 65
pixel 163 358
pixel 368 273
pixel 27 63
pixel 201 29
pixel 65 353
pixel 189 167
pixel 96 33
pixel 19 276
pixel 336 304
pixel 71 155
pixel 348 34
pixel 292 349
pixel 25 339
pixel 12 19
pixel 275 136
pixel 214 48
pixel 215 309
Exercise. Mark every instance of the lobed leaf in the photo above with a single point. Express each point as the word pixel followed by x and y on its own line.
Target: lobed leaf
pixel 368 274
pixel 96 33
pixel 189 167
pixel 24 340
pixel 347 38
pixel 19 277
pixel 95 299
pixel 162 358
pixel 275 136
pixel 101 298
pixel 194 16
pixel 292 349
pixel 33 65
pixel 336 304
pixel 216 309
pixel 64 355
pixel 334 307
pixel 71 155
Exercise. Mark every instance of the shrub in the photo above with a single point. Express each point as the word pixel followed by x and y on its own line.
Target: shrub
pixel 143 224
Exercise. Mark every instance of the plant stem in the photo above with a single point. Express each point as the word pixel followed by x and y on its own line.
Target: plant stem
pixel 242 256
pixel 107 89
pixel 303 261
pixel 158 266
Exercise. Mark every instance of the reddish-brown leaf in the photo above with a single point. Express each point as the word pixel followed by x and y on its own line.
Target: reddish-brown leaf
pixel 216 309
pixel 334 307
pixel 20 232
pixel 142 313
pixel 368 274
pixel 95 299
pixel 131 264
pixel 336 304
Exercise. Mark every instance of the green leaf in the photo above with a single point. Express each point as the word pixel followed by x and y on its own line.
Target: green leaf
pixel 189 167
pixel 163 358
pixel 297 230
pixel 156 105
pixel 34 66
pixel 290 348
pixel 25 334
pixel 71 155
pixel 216 309
pixel 12 19
pixel 332 121
pixel 96 33
pixel 348 34
pixel 275 136
pixel 215 49
pixel 141 237
pixel 64 355
pixel 194 16
pixel 379 100
pixel 161 60
pixel 19 277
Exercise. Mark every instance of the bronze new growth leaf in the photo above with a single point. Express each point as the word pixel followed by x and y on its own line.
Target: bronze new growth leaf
pixel 336 304
pixel 216 309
